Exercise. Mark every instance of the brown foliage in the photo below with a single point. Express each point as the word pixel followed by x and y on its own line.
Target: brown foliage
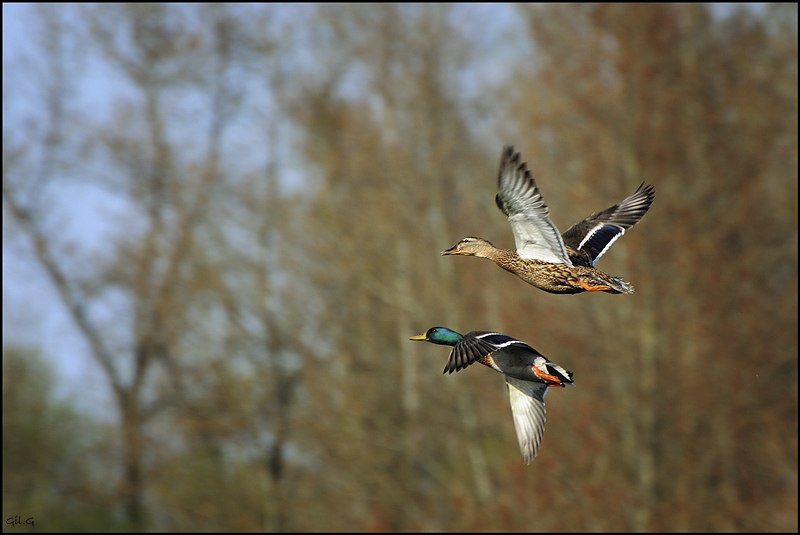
pixel 271 299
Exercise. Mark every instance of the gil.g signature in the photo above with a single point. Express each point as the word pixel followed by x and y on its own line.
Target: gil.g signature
pixel 17 521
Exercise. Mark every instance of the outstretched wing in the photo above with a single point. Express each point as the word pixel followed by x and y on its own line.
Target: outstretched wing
pixel 518 197
pixel 527 407
pixel 595 234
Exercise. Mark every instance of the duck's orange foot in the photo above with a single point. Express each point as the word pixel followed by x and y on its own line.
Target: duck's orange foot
pixel 546 376
pixel 598 288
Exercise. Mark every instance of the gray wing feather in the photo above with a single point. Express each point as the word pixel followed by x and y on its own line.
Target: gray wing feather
pixel 535 235
pixel 527 407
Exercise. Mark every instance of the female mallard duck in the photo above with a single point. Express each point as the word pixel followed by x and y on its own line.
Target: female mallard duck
pixel 528 374
pixel 556 263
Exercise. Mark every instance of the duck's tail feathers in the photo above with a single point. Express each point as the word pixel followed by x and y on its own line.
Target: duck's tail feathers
pixel 620 286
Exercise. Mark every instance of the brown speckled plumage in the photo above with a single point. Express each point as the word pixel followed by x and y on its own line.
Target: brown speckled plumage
pixel 544 258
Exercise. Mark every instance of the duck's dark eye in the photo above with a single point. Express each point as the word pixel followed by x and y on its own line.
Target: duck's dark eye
pixel 434 332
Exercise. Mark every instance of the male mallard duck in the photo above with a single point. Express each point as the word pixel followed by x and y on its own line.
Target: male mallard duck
pixel 556 263
pixel 528 374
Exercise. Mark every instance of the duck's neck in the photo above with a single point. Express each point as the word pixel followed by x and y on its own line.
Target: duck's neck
pixel 501 257
pixel 494 253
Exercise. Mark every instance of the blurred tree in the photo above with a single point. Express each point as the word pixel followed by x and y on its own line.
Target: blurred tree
pixel 383 122
pixel 153 304
pixel 667 94
pixel 55 460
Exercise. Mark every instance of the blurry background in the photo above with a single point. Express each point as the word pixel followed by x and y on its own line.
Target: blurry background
pixel 222 223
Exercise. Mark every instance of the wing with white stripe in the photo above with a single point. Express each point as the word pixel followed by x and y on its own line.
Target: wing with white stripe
pixel 595 234
pixel 475 345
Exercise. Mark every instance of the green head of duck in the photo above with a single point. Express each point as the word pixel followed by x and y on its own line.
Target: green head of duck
pixel 439 335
